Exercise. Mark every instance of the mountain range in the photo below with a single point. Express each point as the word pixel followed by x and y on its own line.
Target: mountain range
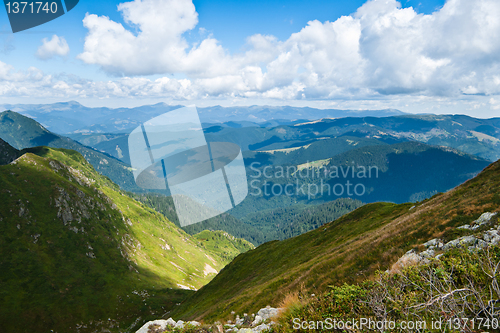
pixel 81 253
pixel 311 146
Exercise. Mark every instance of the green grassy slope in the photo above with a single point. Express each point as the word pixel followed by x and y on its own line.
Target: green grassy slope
pixel 222 244
pixel 75 250
pixel 349 249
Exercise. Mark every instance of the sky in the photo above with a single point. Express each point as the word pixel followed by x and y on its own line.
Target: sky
pixel 428 56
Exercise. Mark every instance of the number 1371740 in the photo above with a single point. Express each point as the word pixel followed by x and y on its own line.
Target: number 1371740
pixel 31 7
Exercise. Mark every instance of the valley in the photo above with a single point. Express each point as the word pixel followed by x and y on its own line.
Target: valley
pixel 331 201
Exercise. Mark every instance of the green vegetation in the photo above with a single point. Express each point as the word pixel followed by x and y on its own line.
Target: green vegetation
pixel 222 244
pixel 398 173
pixel 75 250
pixel 284 223
pixel 262 226
pixel 348 250
pixel 460 291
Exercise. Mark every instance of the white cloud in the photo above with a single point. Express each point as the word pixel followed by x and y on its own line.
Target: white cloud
pixel 158 46
pixel 380 50
pixel 382 56
pixel 56 46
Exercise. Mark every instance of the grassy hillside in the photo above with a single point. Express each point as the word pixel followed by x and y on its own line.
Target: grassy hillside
pixel 75 250
pixel 349 249
pixel 223 245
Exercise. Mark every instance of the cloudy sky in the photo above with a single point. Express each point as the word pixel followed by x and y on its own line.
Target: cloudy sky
pixel 417 56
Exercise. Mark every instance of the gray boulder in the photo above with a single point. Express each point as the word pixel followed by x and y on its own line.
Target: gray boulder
pixel 258 319
pixel 260 328
pixel 267 312
pixel 460 242
pixel 434 243
pixel 161 323
pixel 484 218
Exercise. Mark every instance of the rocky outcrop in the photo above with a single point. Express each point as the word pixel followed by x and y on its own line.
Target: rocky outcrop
pixel 162 325
pixel 434 248
pixel 261 322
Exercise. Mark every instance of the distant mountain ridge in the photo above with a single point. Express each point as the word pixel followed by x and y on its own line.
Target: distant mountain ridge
pixel 72 117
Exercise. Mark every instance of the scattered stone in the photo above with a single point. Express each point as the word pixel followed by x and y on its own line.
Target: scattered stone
pixel 260 328
pixel 460 242
pixel 179 324
pixel 170 322
pixel 161 324
pixel 429 253
pixel 267 313
pixel 257 320
pixel 434 243
pixel 484 218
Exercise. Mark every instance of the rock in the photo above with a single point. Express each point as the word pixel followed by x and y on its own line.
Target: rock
pixel 460 242
pixel 161 325
pixel 194 323
pixel 257 321
pixel 239 321
pixel 179 324
pixel 260 328
pixel 436 242
pixel 495 240
pixel 489 235
pixel 171 322
pixel 427 253
pixel 267 313
pixel 410 258
pixel 465 226
pixel 484 218
pixel 481 244
pixel 245 330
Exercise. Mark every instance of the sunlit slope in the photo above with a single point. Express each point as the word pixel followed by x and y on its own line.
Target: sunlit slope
pixel 349 249
pixel 74 249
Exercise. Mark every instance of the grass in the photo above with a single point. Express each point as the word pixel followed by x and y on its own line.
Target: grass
pixel 348 250
pixel 458 288
pixel 77 251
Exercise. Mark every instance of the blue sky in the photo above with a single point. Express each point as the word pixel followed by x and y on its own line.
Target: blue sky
pixel 417 56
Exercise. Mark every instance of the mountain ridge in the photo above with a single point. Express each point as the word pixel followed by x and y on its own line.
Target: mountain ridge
pixel 75 250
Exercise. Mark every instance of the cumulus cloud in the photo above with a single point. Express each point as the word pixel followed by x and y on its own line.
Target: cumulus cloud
pixel 56 46
pixel 382 49
pixel 158 46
